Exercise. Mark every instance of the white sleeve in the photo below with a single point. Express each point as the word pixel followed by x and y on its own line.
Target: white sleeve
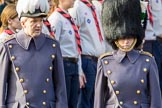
pixel 56 24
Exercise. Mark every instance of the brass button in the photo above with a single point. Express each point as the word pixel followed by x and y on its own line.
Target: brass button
pixel 106 62
pixel 53 45
pixel 135 102
pixel 44 103
pixel 13 58
pixel 10 46
pixel 142 81
pixel 25 91
pixel 47 80
pixel 50 68
pixel 138 92
pixel 27 103
pixel 109 72
pixel 112 82
pixel 21 80
pixel 147 60
pixel 52 56
pixel 145 69
pixel 117 92
pixel 17 69
pixel 121 102
pixel 44 91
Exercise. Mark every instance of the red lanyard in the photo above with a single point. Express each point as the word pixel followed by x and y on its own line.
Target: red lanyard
pixel 75 28
pixel 95 18
pixel 48 25
pixel 9 32
pixel 150 16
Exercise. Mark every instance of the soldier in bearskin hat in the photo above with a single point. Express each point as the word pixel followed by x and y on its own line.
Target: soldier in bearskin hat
pixel 31 65
pixel 126 77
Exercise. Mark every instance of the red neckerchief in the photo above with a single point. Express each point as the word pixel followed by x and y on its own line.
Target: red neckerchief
pixel 95 18
pixel 75 28
pixel 150 16
pixel 8 31
pixel 48 25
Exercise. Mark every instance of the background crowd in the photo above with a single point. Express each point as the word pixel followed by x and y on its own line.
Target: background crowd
pixel 81 27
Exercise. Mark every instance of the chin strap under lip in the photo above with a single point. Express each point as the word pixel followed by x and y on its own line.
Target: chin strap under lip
pixel 126 49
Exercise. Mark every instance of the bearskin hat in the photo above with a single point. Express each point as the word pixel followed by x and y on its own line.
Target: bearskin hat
pixel 122 19
pixel 32 8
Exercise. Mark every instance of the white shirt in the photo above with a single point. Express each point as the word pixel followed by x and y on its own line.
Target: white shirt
pixel 45 30
pixel 91 45
pixel 65 35
pixel 3 36
pixel 155 30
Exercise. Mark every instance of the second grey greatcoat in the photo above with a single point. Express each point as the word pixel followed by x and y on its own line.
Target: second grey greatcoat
pixel 127 80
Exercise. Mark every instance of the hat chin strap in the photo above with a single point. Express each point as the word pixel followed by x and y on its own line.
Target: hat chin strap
pixel 126 49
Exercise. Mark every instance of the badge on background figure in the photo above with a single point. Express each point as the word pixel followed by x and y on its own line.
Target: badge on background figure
pixel 88 21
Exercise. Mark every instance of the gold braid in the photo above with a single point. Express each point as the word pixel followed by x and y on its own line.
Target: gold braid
pixel 126 49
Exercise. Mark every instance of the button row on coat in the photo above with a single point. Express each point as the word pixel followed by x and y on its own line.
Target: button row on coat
pixel 118 92
pixel 47 79
pixel 44 92
pixel 22 80
pixel 43 103
pixel 134 102
pixel 145 69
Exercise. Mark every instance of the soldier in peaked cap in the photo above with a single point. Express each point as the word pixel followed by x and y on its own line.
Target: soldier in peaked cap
pixel 31 64
pixel 126 77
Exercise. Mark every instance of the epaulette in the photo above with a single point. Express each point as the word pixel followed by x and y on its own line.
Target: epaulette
pixel 105 54
pixel 7 38
pixel 146 53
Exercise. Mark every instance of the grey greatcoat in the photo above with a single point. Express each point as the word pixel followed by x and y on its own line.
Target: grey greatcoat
pixel 31 73
pixel 127 80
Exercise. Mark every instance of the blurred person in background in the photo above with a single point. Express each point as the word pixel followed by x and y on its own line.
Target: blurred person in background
pixel 3 3
pixel 46 24
pixel 10 21
pixel 67 34
pixel 153 33
pixel 87 15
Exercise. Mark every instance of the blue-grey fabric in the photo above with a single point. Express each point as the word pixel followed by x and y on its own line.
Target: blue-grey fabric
pixel 86 97
pixel 38 61
pixel 155 48
pixel 72 83
pixel 127 80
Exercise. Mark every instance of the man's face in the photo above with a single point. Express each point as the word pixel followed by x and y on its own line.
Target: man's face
pixel 32 26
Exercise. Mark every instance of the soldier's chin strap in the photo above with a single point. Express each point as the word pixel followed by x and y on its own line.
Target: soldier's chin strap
pixel 126 49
